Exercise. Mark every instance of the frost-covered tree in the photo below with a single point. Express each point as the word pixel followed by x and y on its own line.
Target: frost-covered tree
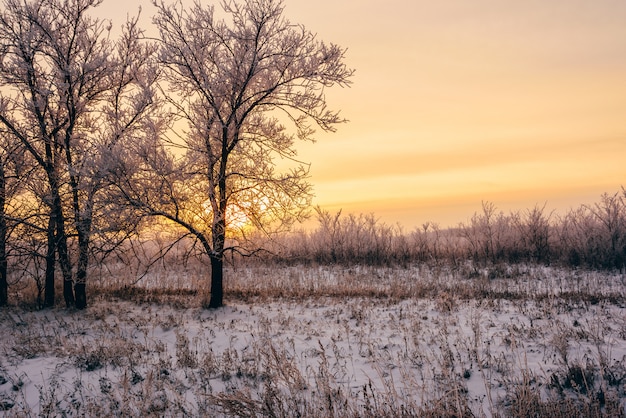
pixel 28 112
pixel 10 167
pixel 70 96
pixel 3 237
pixel 17 212
pixel 248 83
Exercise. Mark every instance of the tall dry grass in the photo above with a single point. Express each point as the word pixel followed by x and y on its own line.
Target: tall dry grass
pixel 590 236
pixel 453 347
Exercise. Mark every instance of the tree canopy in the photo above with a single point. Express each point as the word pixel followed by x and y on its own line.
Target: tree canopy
pixel 188 127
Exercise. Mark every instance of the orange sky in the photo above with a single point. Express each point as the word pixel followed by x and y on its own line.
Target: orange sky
pixel 454 102
pixel 458 101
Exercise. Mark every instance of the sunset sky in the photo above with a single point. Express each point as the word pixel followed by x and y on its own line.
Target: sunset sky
pixel 457 101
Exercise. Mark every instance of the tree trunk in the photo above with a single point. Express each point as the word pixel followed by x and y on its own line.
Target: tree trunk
pixel 62 252
pixel 50 264
pixel 82 221
pixel 80 291
pixel 80 287
pixel 217 287
pixel 59 231
pixel 4 286
pixel 66 269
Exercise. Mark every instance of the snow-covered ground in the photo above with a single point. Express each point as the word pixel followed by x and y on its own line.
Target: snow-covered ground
pixel 508 344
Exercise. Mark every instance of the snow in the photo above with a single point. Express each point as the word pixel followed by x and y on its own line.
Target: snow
pixel 126 356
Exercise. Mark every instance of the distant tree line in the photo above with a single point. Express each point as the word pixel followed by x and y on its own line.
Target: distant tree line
pixel 590 236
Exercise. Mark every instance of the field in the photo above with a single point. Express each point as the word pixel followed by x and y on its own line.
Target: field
pixel 328 341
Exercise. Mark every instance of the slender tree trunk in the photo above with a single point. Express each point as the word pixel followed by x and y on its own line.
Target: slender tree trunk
pixel 218 233
pixel 68 291
pixel 61 248
pixel 66 267
pixel 80 290
pixel 80 287
pixel 217 287
pixel 82 221
pixel 4 286
pixel 60 236
pixel 50 263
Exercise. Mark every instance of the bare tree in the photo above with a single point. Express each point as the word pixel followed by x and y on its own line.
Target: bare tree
pixel 610 213
pixel 27 110
pixel 3 238
pixel 534 232
pixel 238 84
pixel 10 166
pixel 16 208
pixel 125 112
pixel 70 95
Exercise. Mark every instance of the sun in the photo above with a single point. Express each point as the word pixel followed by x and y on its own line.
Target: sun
pixel 237 219
pixel 237 216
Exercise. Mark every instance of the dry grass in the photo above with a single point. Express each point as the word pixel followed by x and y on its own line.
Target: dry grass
pixel 329 342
